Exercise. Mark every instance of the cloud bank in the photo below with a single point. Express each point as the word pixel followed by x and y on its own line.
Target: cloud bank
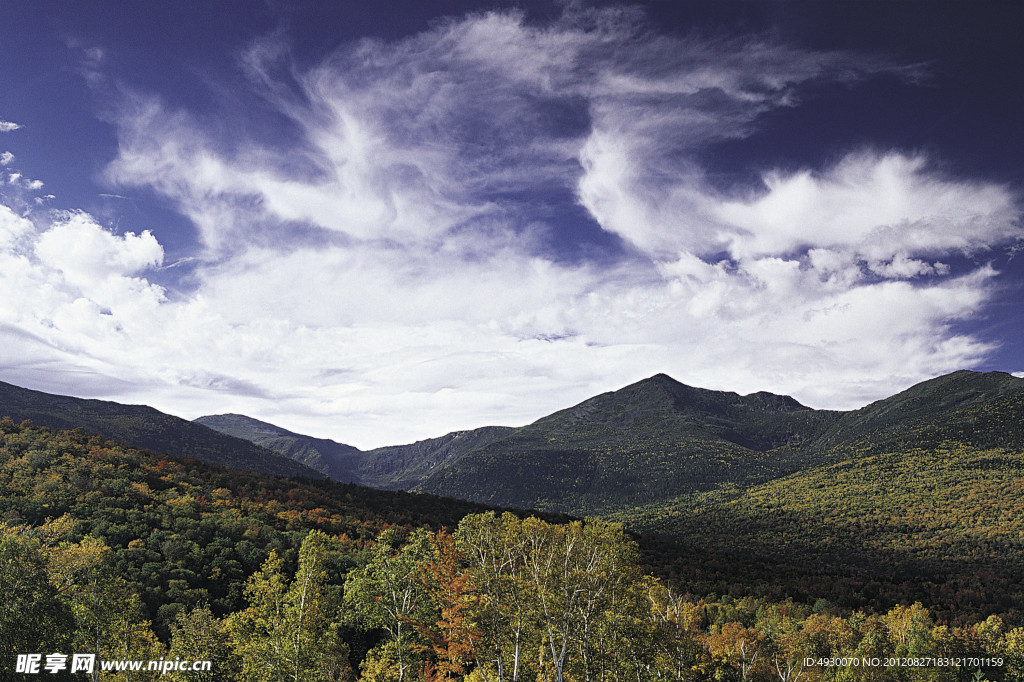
pixel 399 269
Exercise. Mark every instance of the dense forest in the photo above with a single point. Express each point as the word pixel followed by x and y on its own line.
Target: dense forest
pixel 123 553
pixel 942 525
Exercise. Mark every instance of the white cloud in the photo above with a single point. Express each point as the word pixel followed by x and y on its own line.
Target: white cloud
pixel 7 126
pixel 12 227
pixel 389 276
pixel 6 158
pixel 17 180
pixel 87 254
pixel 877 207
pixel 880 206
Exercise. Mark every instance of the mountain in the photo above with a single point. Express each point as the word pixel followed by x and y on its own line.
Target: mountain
pixel 399 467
pixel 648 441
pixel 916 497
pixel 403 467
pixel 144 427
pixel 659 439
pixel 954 406
pixel 185 533
pixel 657 443
pixel 335 460
pixel 625 447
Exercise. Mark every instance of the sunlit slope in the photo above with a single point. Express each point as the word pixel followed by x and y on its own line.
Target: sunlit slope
pixel 942 520
pixel 926 519
pixel 920 454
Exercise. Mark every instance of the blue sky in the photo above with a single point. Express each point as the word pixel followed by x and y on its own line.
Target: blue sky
pixel 379 222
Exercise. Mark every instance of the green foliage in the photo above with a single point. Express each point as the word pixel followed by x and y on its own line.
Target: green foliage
pixel 198 635
pixel 182 533
pixel 32 616
pixel 943 526
pixel 385 595
pixel 290 631
pixel 253 568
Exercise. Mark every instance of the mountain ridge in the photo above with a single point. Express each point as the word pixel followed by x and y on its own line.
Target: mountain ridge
pixel 649 443
pixel 656 439
pixel 144 427
pixel 326 456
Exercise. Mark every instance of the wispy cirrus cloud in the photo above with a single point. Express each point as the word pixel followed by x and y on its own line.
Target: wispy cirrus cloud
pixel 399 266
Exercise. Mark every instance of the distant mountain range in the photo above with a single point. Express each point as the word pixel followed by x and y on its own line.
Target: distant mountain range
pixel 400 467
pixel 653 441
pixel 654 434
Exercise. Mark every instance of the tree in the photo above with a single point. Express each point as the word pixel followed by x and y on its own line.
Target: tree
pixel 495 550
pixel 678 623
pixel 1013 643
pixel 32 617
pixel 736 647
pixel 384 594
pixel 290 632
pixel 257 633
pixel 451 636
pixel 575 570
pixel 199 635
pixel 311 611
pixel 108 613
pixel 625 638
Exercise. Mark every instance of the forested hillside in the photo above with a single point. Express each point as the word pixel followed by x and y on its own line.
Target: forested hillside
pixel 336 460
pixel 943 526
pixel 659 443
pixel 128 554
pixel 912 498
pixel 183 531
pixel 777 534
pixel 144 427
